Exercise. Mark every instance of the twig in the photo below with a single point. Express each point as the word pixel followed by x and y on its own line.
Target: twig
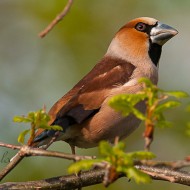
pixel 10 146
pixel 32 134
pixel 53 139
pixel 176 165
pixel 28 151
pixel 57 19
pixel 149 129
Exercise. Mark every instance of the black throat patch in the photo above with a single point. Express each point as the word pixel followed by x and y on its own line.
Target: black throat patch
pixel 154 52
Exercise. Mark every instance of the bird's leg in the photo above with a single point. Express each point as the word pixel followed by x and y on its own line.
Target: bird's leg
pixel 116 140
pixel 72 149
pixel 74 152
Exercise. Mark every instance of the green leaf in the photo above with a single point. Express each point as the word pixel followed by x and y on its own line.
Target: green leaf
pixel 118 150
pixel 125 103
pixel 105 148
pixel 56 127
pixel 120 146
pixel 38 119
pixel 128 161
pixel 177 94
pixel 163 123
pixel 22 135
pixel 137 175
pixel 21 119
pixel 142 155
pixel 139 114
pixel 51 127
pixel 82 165
pixel 146 81
pixel 165 105
pixel 31 115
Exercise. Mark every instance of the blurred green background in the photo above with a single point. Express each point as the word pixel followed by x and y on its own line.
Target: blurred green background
pixel 35 71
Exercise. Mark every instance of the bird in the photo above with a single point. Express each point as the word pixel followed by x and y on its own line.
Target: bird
pixel 84 113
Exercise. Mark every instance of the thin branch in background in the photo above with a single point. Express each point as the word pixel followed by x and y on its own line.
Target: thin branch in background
pixel 57 19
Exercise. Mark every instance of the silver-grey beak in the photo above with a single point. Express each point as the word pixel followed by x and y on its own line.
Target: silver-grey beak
pixel 161 33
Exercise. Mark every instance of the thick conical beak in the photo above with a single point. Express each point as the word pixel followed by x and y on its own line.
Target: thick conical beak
pixel 161 33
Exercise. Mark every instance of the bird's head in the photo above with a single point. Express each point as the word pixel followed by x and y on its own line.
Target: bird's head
pixel 140 38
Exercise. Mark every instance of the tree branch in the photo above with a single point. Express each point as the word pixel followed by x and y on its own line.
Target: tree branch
pixel 57 19
pixel 158 170
pixel 96 176
pixel 11 165
pixel 9 146
pixel 29 151
pixel 166 174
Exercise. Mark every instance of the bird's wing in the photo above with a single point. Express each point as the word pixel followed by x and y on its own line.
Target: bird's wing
pixel 86 97
pixel 92 90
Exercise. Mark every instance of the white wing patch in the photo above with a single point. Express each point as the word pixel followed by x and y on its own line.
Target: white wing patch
pixel 131 82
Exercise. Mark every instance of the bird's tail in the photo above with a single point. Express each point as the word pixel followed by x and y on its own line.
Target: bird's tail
pixel 44 136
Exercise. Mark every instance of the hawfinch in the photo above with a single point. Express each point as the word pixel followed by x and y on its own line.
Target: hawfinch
pixel 84 113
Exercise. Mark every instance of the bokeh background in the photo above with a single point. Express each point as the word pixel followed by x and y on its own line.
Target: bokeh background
pixel 35 71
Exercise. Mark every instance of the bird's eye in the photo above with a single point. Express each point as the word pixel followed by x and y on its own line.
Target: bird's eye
pixel 141 26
